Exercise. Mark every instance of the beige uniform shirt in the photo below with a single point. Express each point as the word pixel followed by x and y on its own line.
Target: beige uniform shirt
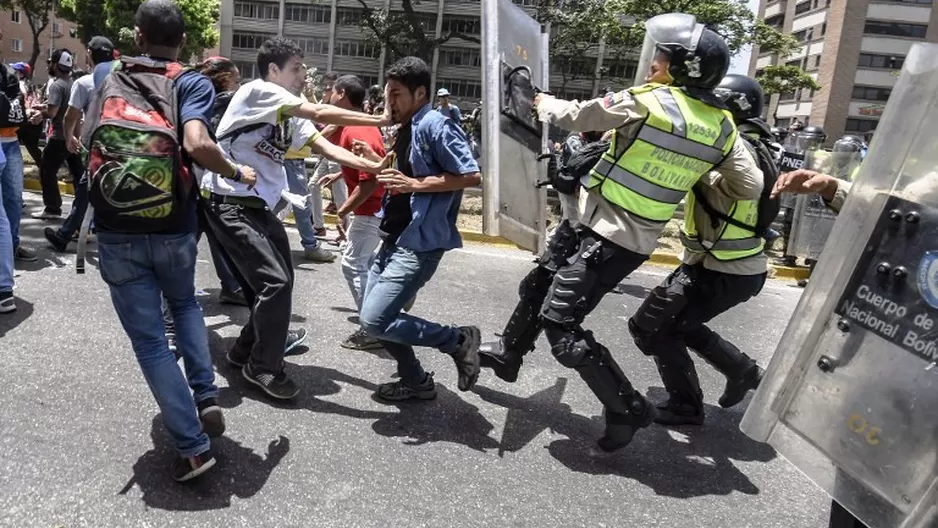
pixel 737 177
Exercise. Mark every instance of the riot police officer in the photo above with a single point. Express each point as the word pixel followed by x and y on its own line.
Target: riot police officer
pixel 723 265
pixel 669 134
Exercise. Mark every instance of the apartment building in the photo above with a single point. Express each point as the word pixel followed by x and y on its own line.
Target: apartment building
pixel 330 32
pixel 17 43
pixel 853 48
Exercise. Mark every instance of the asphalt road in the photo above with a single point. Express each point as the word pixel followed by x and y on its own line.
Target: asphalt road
pixel 81 442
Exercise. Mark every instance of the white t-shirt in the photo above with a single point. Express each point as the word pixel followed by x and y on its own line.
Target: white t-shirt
pixel 81 93
pixel 260 103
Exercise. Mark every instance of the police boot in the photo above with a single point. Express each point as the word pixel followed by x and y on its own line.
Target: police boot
pixel 742 373
pixel 503 361
pixel 685 399
pixel 621 428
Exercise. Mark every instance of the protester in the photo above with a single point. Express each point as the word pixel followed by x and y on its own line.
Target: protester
pixel 444 107
pixel 140 267
pixel 56 152
pixel 434 165
pixel 29 132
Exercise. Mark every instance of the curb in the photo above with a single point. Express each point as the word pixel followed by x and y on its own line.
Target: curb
pixel 657 258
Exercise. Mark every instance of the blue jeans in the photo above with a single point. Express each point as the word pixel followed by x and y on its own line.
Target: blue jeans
pixel 6 239
pixel 139 269
pixel 396 276
pixel 79 207
pixel 11 179
pixel 296 180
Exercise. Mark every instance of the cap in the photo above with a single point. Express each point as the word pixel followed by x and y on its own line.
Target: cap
pixel 22 67
pixel 99 43
pixel 65 60
pixel 443 92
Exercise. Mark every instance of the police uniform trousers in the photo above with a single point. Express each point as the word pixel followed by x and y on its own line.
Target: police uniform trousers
pixel 673 317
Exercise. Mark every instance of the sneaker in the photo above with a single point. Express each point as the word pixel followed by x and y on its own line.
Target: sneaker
pixel 295 340
pixel 318 254
pixel 400 391
pixel 466 356
pixel 232 297
pixel 7 303
pixel 237 357
pixel 47 215
pixel 213 421
pixel 25 255
pixel 360 340
pixel 187 468
pixel 58 243
pixel 277 386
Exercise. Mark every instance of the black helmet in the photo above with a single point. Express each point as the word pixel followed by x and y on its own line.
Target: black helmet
pixel 742 96
pixel 848 144
pixel 815 131
pixel 702 67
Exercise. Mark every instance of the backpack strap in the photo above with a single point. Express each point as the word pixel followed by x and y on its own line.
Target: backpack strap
pixel 715 215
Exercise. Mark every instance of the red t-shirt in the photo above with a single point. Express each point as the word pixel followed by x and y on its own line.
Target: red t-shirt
pixel 371 136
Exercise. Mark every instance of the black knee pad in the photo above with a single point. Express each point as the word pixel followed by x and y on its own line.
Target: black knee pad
pixel 568 347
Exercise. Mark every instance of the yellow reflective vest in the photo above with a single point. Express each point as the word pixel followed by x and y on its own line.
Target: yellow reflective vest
pixel 681 140
pixel 731 241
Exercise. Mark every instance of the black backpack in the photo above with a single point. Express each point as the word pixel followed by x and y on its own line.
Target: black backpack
pixel 759 146
pixel 12 102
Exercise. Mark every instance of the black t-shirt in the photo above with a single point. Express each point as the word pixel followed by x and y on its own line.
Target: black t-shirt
pixel 397 213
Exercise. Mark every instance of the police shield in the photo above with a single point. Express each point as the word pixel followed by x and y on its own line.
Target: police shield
pixel 851 394
pixel 672 28
pixel 812 220
pixel 514 47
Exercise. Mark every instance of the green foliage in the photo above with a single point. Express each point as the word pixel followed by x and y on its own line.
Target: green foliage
pixel 785 79
pixel 37 16
pixel 115 19
pixel 406 32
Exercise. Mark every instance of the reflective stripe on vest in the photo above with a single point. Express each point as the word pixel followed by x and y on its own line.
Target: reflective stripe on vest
pixel 732 243
pixel 680 140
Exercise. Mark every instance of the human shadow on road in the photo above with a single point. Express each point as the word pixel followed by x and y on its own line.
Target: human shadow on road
pixel 683 463
pixel 447 419
pixel 238 472
pixel 12 320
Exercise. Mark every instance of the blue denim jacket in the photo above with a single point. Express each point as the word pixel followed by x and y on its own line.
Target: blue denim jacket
pixel 439 146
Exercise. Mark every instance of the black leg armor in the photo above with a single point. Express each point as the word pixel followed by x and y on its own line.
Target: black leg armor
pixel 742 373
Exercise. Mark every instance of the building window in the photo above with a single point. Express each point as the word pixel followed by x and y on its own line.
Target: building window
pixel 888 62
pixel 460 57
pixel 861 125
pixel 823 29
pixel 817 61
pixel 465 25
pixel 870 93
pixel 803 7
pixel 312 45
pixel 801 36
pixel 776 21
pixel 783 122
pixel 307 13
pixel 622 69
pixel 916 2
pixel 367 80
pixel 16 45
pixel 248 70
pixel 15 17
pixel 356 48
pixel 348 17
pixel 258 10
pixel 248 41
pixel 895 29
pixel 461 88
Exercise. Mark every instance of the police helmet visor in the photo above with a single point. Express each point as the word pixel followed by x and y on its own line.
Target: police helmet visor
pixel 665 32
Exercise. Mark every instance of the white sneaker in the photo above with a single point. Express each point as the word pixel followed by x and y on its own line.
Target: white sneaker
pixel 319 255
pixel 7 303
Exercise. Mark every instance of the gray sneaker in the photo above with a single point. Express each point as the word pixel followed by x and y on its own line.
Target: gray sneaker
pixel 360 340
pixel 400 391
pixel 466 356
pixel 7 302
pixel 319 254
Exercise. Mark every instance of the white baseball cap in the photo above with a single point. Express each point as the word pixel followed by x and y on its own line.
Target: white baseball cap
pixel 66 60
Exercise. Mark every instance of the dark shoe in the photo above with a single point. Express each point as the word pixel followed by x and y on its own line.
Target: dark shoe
pixel 187 468
pixel 25 255
pixel 295 340
pixel 232 297
pixel 360 340
pixel 803 283
pixel 7 302
pixel 400 391
pixel 737 388
pixel 771 235
pixel 237 357
pixel 277 386
pixel 213 421
pixel 466 356
pixel 675 413
pixel 493 355
pixel 788 261
pixel 621 428
pixel 58 243
pixel 320 232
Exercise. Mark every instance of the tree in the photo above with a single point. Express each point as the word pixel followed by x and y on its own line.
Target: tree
pixel 37 16
pixel 406 32
pixel 115 19
pixel 785 79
